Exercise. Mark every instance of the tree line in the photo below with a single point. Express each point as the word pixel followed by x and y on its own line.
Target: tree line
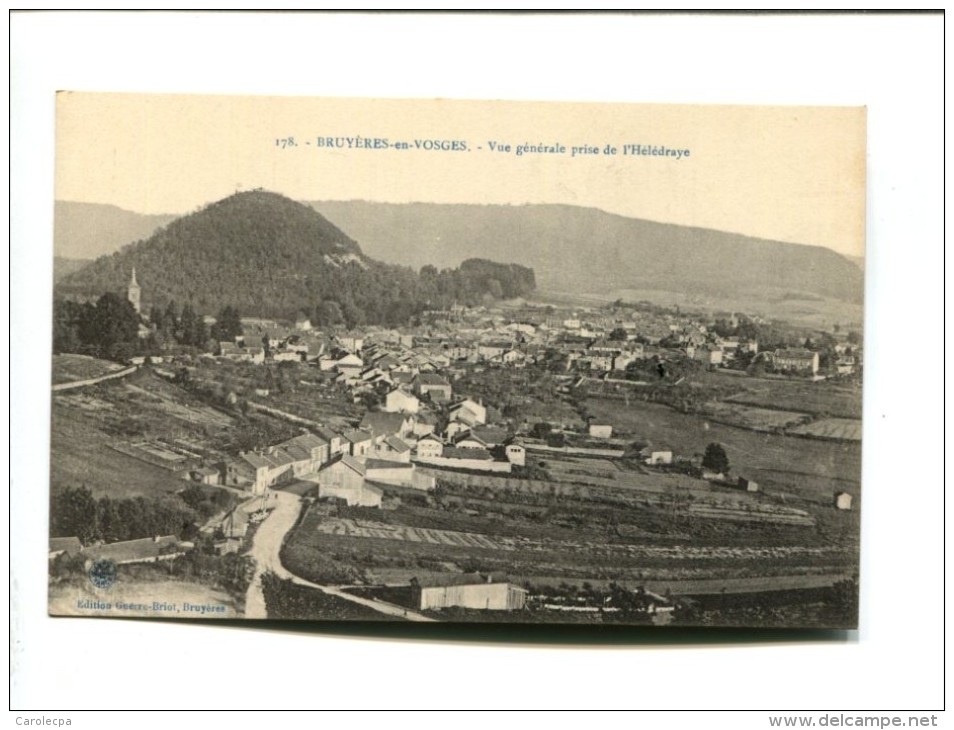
pixel 110 328
pixel 74 512
pixel 353 295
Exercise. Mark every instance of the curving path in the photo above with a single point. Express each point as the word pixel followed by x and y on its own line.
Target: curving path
pixel 93 381
pixel 266 551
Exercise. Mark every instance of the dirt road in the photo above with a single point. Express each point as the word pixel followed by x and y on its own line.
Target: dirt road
pixel 266 550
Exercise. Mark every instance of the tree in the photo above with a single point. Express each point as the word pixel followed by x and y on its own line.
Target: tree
pixel 329 314
pixel 228 325
pixel 540 430
pixel 715 459
pixel 66 323
pixel 170 320
pixel 113 322
pixel 192 330
pixel 618 335
pixel 73 513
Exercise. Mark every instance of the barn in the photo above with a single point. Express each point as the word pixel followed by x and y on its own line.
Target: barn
pixel 471 591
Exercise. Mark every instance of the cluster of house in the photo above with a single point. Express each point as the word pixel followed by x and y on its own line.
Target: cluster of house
pixel 586 340
pixel 522 336
pixel 385 447
pixel 798 360
pixel 803 361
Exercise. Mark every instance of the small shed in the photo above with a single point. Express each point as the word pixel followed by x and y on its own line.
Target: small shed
pixel 748 485
pixel 843 500
pixel 601 430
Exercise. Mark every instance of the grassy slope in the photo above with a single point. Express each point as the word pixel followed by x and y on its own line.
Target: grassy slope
pixel 67 368
pixel 80 456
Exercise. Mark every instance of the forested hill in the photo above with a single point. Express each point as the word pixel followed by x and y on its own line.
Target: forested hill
pixel 270 256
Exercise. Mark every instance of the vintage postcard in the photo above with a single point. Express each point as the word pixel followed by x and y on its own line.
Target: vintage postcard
pixel 457 361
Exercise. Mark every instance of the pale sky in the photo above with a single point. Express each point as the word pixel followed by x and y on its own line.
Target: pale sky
pixel 793 174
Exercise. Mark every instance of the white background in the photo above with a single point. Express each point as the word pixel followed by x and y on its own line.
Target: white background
pixel 892 64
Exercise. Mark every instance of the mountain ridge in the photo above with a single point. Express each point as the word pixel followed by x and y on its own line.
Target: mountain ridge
pixel 580 249
pixel 89 230
pixel 586 249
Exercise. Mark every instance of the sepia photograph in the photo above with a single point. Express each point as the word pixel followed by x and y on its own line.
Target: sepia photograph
pixel 407 360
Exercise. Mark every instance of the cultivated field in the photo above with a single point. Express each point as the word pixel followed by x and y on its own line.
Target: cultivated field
pixel 133 436
pixel 821 398
pixel 385 531
pixel 630 525
pixel 81 455
pixel 756 419
pixel 832 428
pixel 807 468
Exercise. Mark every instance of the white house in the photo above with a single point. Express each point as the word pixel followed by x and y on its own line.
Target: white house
pixel 469 412
pixel 400 401
pixel 516 453
pixel 350 365
pixel 600 430
pixel 471 591
pixel 429 447
pixel 344 479
pixel 654 455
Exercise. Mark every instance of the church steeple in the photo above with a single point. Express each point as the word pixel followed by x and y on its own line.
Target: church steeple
pixel 134 292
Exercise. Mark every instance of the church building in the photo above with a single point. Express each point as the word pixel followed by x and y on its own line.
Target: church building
pixel 134 293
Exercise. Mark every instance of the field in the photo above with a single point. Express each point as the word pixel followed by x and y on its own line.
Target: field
pixel 832 428
pixel 579 522
pixel 81 455
pixel 135 435
pixel 756 419
pixel 821 398
pixel 69 368
pixel 595 522
pixel 649 491
pixel 807 468
pixel 612 551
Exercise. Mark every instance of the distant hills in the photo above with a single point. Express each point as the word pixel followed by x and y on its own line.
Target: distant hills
pixel 88 230
pixel 268 255
pixel 574 249
pixel 260 251
pixel 63 267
